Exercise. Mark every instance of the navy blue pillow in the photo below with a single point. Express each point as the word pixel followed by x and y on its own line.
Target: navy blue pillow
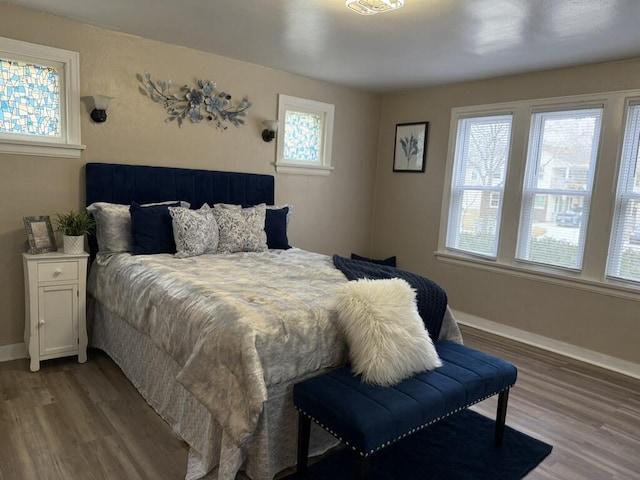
pixel 389 262
pixel 151 229
pixel 275 226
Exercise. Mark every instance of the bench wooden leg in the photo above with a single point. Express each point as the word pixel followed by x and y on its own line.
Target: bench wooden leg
pixel 501 416
pixel 304 430
pixel 364 468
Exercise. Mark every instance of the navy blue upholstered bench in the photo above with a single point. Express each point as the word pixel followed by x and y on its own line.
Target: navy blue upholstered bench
pixel 368 417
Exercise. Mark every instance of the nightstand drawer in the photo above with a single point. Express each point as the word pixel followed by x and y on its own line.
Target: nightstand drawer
pixel 57 271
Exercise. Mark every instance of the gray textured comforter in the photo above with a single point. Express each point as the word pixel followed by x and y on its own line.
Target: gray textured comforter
pixel 234 323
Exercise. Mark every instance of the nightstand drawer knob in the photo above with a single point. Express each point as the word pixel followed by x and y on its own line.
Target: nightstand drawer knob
pixel 57 272
pixel 41 323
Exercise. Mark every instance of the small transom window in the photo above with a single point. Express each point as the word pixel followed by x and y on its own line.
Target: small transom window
pixel 304 144
pixel 39 100
pixel 29 99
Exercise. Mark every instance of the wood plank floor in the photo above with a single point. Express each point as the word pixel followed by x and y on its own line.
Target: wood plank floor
pixel 73 421
pixel 81 421
pixel 591 416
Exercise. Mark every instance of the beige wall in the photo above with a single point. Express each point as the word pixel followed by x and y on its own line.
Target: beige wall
pixel 331 214
pixel 408 205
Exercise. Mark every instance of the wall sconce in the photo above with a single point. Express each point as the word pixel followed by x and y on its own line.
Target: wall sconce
pixel 100 103
pixel 270 129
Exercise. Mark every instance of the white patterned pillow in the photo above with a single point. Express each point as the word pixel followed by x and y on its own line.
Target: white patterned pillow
pixel 241 230
pixel 233 206
pixel 194 231
pixel 227 206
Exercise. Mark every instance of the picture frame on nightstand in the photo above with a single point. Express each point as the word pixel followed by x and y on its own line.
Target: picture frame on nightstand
pixel 40 234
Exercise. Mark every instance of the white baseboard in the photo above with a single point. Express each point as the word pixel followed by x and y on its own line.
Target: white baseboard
pixel 12 352
pixel 18 350
pixel 568 350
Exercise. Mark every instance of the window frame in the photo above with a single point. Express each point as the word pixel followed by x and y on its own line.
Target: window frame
pixel 323 167
pixel 455 186
pixel 593 276
pixel 68 65
pixel 530 188
pixel 624 191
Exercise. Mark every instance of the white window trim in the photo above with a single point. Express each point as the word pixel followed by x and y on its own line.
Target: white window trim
pixel 593 275
pixel 324 167
pixel 463 113
pixel 530 188
pixel 624 191
pixel 68 145
pixel 611 288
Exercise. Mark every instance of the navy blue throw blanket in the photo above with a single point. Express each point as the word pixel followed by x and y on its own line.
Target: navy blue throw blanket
pixel 431 299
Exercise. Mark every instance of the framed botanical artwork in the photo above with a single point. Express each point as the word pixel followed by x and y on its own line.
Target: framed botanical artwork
pixel 410 153
pixel 40 234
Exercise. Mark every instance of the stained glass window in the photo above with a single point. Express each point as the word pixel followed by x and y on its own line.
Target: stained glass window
pixel 29 99
pixel 302 136
pixel 39 100
pixel 305 136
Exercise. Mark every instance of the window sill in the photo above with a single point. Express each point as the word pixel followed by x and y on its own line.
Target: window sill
pixel 299 169
pixel 610 288
pixel 40 149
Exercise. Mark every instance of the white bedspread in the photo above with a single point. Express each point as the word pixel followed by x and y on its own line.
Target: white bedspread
pixel 235 323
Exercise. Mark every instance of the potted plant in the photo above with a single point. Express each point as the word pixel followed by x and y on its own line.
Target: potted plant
pixel 74 226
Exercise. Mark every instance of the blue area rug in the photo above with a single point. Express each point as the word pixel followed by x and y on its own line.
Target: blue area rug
pixel 457 448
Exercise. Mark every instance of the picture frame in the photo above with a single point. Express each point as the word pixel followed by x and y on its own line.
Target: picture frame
pixel 410 153
pixel 40 234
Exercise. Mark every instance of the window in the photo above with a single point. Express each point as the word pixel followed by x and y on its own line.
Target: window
pixel 39 100
pixel 30 99
pixel 304 144
pixel 624 249
pixel 563 143
pixel 529 191
pixel 481 157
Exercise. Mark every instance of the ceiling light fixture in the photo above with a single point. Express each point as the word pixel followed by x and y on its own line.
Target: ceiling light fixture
pixel 369 7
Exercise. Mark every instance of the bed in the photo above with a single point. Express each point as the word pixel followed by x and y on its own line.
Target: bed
pixel 214 343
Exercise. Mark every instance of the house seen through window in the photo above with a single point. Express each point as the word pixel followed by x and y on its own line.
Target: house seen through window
pixel 546 175
pixel 564 144
pixel 482 150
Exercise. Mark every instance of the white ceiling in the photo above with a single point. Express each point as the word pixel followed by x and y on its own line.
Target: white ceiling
pixel 426 42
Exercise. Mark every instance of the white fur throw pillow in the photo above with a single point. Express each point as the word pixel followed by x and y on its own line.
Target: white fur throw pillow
pixel 387 339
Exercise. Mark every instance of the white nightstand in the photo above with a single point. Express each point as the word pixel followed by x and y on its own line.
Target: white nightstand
pixel 55 306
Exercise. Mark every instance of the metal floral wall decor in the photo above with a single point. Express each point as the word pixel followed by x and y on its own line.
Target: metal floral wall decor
pixel 202 102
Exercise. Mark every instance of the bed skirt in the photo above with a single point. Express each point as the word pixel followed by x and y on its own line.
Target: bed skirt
pixel 153 373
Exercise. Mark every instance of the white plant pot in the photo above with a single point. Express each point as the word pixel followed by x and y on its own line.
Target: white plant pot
pixel 73 244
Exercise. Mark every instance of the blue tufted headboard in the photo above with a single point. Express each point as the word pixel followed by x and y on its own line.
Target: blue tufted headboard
pixel 116 183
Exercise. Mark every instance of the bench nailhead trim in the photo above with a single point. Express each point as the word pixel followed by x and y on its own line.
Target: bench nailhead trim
pixel 380 447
